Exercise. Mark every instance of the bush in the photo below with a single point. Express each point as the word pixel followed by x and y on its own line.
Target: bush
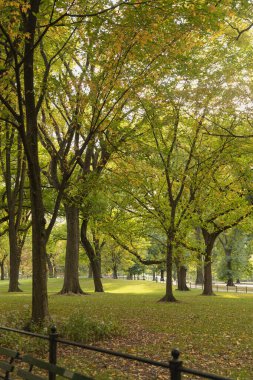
pixel 82 329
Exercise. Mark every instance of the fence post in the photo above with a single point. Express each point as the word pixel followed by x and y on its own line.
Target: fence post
pixel 53 335
pixel 175 365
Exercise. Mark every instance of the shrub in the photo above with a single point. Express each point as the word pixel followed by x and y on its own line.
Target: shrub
pixel 82 329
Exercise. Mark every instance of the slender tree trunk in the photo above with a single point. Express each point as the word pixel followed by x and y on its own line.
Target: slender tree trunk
pixel 115 272
pixel 199 274
pixel 228 253
pixel 71 276
pixel 2 267
pixel 153 275
pixel 50 266
pixel 12 191
pixel 96 274
pixel 92 257
pixel 162 274
pixel 30 141
pixel 181 278
pixel 169 297
pixel 2 270
pixel 14 257
pixel 97 252
pixel 90 274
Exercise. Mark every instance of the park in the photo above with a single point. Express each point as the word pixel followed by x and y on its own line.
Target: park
pixel 126 186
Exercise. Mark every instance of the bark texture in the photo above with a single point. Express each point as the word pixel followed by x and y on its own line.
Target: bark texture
pixel 169 297
pixel 209 239
pixel 181 278
pixel 71 276
pixel 228 253
pixel 94 261
pixel 30 141
pixel 115 271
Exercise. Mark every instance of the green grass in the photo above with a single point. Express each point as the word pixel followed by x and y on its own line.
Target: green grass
pixel 213 333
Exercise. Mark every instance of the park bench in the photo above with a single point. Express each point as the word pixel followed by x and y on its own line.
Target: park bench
pixel 32 362
pixel 14 361
pixel 7 365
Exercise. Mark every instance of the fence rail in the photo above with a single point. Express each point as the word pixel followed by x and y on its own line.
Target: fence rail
pixel 174 366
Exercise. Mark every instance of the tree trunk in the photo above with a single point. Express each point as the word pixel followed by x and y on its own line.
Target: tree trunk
pixel 90 274
pixel 30 142
pixel 115 272
pixel 169 297
pixel 162 275
pixel 2 267
pixel 181 278
pixel 14 257
pixel 2 270
pixel 209 243
pixel 228 253
pixel 12 191
pixel 153 275
pixel 92 257
pixel 50 266
pixel 199 274
pixel 71 283
pixel 97 252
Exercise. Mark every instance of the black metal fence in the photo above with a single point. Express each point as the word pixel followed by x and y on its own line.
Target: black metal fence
pixel 174 366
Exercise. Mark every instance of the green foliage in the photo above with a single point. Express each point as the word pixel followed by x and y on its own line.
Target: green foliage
pixel 238 264
pixel 81 328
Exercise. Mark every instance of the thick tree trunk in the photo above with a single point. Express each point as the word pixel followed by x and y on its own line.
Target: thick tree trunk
pixel 169 297
pixel 208 286
pixel 209 243
pixel 95 265
pixel 71 276
pixel 181 278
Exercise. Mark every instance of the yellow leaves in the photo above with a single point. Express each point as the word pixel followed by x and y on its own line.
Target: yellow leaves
pixel 212 8
pixel 25 7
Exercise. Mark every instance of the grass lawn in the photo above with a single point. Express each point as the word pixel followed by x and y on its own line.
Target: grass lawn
pixel 214 334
